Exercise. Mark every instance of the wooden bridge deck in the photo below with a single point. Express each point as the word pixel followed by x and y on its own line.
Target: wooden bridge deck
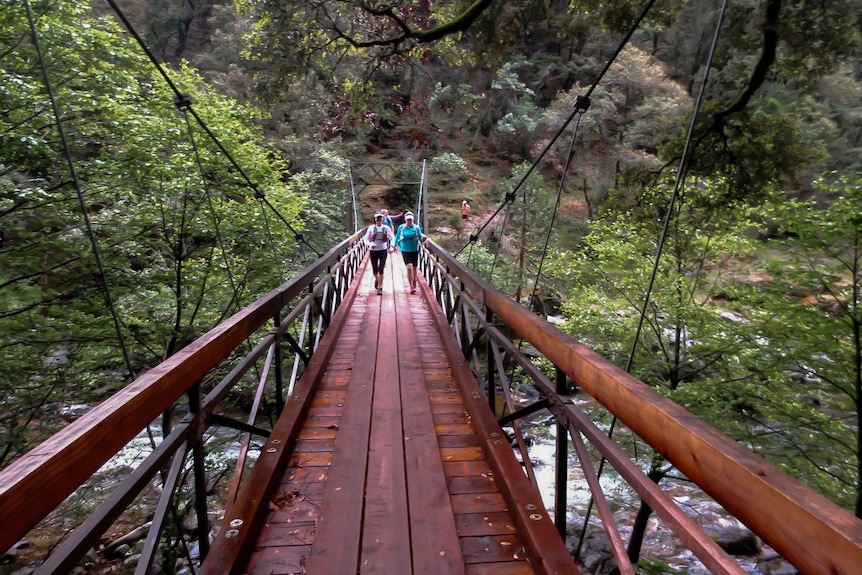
pixel 395 464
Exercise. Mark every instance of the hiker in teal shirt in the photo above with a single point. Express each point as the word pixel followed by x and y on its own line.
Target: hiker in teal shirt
pixel 407 239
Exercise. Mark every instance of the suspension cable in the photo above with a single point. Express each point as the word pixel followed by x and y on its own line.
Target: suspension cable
pixel 580 106
pixel 683 167
pixel 569 157
pixel 183 100
pixel 680 177
pixel 74 173
pixel 499 244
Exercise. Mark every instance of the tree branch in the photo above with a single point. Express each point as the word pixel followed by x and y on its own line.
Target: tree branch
pixel 767 58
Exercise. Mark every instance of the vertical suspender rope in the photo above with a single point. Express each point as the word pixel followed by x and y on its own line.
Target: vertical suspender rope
pixel 206 186
pixel 91 234
pixel 499 243
pixel 581 106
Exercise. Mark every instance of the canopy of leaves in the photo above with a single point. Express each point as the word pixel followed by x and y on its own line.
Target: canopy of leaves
pixel 153 222
pixel 715 335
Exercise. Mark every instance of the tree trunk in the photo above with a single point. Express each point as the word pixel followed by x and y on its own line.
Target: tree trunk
pixel 636 541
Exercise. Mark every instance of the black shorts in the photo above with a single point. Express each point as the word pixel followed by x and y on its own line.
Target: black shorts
pixel 410 258
pixel 378 261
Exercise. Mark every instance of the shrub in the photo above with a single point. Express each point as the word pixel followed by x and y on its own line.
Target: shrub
pixel 452 165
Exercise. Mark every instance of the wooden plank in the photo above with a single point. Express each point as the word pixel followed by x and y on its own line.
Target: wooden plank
pixel 278 561
pixel 288 535
pixel 456 440
pixel 317 433
pixel 478 502
pixel 508 568
pixel 455 429
pixel 310 459
pixel 334 410
pixel 385 541
pixel 475 524
pixel 450 417
pixel 298 477
pixel 492 548
pixel 453 408
pixel 313 445
pixel 456 468
pixel 473 484
pixel 336 544
pixel 436 548
pixel 330 421
pixel 462 454
pixel 546 549
pixel 312 490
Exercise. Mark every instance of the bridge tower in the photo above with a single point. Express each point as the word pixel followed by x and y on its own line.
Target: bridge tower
pixel 366 174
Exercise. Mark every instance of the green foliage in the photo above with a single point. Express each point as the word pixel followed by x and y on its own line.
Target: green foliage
pixel 609 276
pixel 521 235
pixel 490 266
pixel 450 165
pixel 324 182
pixel 816 287
pixel 716 341
pixel 181 237
pixel 407 176
pixel 754 151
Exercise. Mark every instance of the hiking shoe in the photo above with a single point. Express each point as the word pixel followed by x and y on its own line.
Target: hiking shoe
pixel 413 290
pixel 379 291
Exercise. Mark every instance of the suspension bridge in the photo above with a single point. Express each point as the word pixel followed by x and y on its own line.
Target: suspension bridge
pixel 389 456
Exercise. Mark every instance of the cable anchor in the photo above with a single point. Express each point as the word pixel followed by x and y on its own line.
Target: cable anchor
pixel 582 104
pixel 183 101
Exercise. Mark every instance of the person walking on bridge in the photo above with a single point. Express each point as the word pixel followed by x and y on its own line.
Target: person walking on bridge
pixel 407 239
pixel 379 238
pixel 389 220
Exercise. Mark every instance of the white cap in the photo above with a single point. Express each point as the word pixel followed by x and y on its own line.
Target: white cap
pixel 408 216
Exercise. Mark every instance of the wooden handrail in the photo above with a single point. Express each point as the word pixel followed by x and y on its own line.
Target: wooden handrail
pixel 36 483
pixel 817 536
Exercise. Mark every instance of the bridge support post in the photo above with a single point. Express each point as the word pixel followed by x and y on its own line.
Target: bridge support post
pixel 492 377
pixel 279 368
pixel 200 473
pixel 561 469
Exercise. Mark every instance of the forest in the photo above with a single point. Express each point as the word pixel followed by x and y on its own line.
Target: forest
pixel 683 180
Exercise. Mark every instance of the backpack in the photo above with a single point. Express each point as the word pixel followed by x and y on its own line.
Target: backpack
pixel 380 234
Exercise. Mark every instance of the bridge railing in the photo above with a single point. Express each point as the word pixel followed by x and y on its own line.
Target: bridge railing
pixel 815 535
pixel 198 378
